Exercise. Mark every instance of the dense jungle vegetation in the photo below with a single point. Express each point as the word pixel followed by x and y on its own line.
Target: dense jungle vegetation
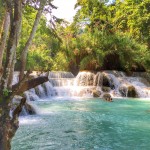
pixel 101 36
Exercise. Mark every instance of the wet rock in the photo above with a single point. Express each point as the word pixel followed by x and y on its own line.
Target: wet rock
pixel 128 91
pixel 98 79
pixel 106 89
pixel 144 75
pixel 40 91
pixel 107 81
pixel 131 92
pixel 107 97
pixel 123 91
pixel 30 110
pixel 85 78
pixel 96 93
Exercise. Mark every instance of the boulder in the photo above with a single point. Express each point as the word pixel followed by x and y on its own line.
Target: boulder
pixel 96 93
pixel 128 91
pixel 123 91
pixel 107 97
pixel 107 81
pixel 132 92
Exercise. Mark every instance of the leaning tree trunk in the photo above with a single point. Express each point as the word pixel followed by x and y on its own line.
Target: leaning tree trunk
pixel 23 59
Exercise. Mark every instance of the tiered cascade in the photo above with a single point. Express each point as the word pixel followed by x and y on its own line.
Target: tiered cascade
pixel 117 84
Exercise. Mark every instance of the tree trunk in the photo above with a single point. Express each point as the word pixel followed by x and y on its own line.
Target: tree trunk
pixel 15 24
pixel 8 125
pixel 23 59
pixel 7 131
pixel 12 72
pixel 4 38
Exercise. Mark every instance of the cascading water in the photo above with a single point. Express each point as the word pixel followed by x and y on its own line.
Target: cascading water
pixel 117 84
pixel 141 85
pixel 86 84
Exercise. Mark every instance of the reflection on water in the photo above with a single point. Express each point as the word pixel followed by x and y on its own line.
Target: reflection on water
pixel 90 124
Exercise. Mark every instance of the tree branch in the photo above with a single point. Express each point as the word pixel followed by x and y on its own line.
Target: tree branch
pixel 20 88
pixel 18 109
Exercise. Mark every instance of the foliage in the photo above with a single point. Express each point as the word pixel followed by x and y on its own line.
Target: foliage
pixel 99 30
pixel 88 49
pixel 6 92
pixel 134 17
pixel 43 45
pixel 60 62
pixel 39 59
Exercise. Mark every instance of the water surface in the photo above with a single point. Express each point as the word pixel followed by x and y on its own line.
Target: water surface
pixel 85 124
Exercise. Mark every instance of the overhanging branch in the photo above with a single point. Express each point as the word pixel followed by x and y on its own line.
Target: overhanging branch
pixel 16 89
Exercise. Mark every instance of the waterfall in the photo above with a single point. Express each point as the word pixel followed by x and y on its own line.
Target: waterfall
pixel 98 79
pixel 85 79
pixel 141 85
pixel 60 74
pixel 85 84
pixel 124 84
pixel 27 109
pixel 31 95
pixel 65 84
pixel 49 90
pixel 24 112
